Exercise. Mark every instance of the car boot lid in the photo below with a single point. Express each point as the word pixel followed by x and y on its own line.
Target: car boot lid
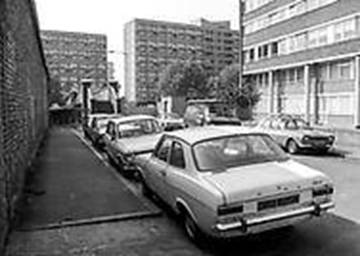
pixel 266 179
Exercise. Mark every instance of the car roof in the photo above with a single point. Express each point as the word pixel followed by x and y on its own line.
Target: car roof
pixel 204 101
pixel 195 134
pixel 100 115
pixel 132 117
pixel 280 116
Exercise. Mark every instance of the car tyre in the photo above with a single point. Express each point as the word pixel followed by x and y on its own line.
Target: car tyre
pixel 191 229
pixel 292 147
pixel 323 151
pixel 145 190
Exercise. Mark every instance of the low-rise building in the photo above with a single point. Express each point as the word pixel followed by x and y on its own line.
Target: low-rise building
pixel 304 56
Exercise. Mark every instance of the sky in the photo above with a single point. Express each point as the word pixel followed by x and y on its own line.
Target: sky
pixel 109 16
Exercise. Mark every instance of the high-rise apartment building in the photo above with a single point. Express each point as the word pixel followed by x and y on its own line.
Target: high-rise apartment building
pixel 304 56
pixel 73 56
pixel 150 46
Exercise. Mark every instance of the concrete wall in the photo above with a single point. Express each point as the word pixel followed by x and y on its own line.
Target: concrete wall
pixel 23 101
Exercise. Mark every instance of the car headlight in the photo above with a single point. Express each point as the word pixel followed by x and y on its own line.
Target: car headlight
pixel 230 209
pixel 130 158
pixel 326 189
pixel 305 139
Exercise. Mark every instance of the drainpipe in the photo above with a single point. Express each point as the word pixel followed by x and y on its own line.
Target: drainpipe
pixel 357 93
pixel 307 83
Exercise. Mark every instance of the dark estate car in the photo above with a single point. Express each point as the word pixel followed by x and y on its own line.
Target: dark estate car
pixel 294 134
pixel 209 111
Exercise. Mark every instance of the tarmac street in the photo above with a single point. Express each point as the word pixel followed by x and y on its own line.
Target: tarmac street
pixel 336 233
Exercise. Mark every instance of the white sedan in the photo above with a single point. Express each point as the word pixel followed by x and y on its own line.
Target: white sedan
pixel 129 136
pixel 227 181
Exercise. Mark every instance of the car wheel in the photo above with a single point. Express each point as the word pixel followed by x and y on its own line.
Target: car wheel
pixel 323 151
pixel 120 165
pixel 292 147
pixel 191 229
pixel 145 190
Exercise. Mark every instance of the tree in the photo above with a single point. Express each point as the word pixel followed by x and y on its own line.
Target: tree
pixel 185 79
pixel 243 99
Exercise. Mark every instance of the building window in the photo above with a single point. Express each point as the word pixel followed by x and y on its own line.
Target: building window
pixel 283 13
pixel 252 54
pixel 341 70
pixel 299 75
pixel 274 49
pixel 323 72
pixel 299 41
pixel 345 30
pixel 291 75
pixel 318 37
pixel 345 70
pixel 283 46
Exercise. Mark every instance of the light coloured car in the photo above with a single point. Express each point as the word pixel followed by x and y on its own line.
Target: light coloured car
pixel 95 128
pixel 227 181
pixel 129 136
pixel 172 121
pixel 294 134
pixel 199 112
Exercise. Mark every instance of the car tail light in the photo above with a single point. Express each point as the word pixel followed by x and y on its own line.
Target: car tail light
pixel 323 190
pixel 230 209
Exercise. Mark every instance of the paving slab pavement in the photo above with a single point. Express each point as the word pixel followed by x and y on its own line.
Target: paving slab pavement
pixel 71 186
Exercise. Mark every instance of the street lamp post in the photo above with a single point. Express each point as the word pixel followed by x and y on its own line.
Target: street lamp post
pixel 241 36
pixel 86 84
pixel 115 84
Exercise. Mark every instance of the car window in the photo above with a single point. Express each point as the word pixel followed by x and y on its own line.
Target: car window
pixel 111 130
pixel 177 158
pixel 101 123
pixel 291 125
pixel 94 123
pixel 163 150
pixel 266 123
pixel 275 124
pixel 108 128
pixel 222 153
pixel 135 128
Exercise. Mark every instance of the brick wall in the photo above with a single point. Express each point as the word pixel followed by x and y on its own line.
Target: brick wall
pixel 23 101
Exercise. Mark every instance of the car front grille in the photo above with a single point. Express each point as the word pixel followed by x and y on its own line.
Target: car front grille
pixel 277 202
pixel 320 139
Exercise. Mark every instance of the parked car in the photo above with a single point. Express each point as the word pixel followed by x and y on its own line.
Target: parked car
pixel 228 181
pixel 95 128
pixel 294 134
pixel 129 136
pixel 209 111
pixel 172 121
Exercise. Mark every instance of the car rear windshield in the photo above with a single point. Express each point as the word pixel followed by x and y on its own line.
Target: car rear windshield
pixel 222 153
pixel 137 128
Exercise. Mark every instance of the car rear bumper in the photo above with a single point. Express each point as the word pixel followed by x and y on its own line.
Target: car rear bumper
pixel 282 218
